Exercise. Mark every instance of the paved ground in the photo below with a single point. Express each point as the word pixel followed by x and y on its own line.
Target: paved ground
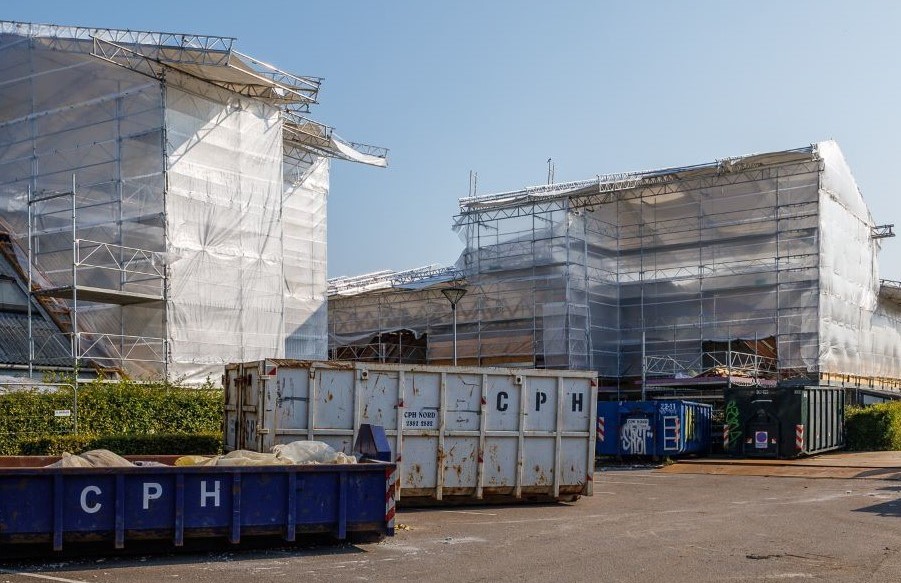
pixel 885 465
pixel 641 525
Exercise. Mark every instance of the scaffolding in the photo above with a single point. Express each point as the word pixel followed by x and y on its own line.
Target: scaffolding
pixel 650 277
pixel 104 277
pixel 201 195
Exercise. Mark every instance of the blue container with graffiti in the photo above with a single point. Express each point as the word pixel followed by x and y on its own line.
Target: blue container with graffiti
pixel 659 428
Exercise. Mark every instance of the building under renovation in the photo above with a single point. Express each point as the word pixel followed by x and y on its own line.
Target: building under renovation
pixel 748 270
pixel 162 203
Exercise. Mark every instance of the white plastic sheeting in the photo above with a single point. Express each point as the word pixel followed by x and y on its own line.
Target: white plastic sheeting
pixel 185 169
pixel 224 231
pixel 773 245
pixel 305 257
pixel 859 333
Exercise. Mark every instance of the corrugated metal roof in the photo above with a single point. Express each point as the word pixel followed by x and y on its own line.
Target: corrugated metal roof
pixel 51 346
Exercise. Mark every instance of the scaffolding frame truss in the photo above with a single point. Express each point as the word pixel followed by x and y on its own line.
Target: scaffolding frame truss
pixel 633 274
pixel 128 265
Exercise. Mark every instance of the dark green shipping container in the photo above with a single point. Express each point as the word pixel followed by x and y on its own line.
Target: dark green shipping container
pixel 783 422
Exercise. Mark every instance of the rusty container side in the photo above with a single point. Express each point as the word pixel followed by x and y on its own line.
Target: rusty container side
pixel 457 434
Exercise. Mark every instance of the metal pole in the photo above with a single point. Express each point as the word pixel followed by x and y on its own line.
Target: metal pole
pixel 644 367
pixel 729 362
pixel 73 320
pixel 30 295
pixel 454 310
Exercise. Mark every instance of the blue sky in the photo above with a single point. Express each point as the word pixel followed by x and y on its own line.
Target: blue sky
pixel 600 87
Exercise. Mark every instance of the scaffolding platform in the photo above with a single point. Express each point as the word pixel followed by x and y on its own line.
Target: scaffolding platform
pixel 94 294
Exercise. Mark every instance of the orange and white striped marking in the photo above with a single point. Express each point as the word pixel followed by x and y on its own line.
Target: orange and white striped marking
pixel 799 437
pixel 391 480
pixel 600 428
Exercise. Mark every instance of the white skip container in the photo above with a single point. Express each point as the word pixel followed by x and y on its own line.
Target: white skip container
pixel 456 433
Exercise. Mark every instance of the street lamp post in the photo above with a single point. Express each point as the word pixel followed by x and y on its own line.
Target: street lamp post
pixel 453 295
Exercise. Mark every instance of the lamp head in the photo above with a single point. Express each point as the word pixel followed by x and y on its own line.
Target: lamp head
pixel 454 294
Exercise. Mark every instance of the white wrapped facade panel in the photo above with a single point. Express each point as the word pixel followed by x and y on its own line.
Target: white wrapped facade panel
pixel 165 160
pixel 859 334
pixel 456 433
pixel 224 232
pixel 305 256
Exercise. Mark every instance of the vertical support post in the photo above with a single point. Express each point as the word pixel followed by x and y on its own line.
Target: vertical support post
pixel 30 290
pixel 179 539
pixel 291 510
pixel 76 348
pixel 120 511
pixel 558 439
pixel 521 438
pixel 644 366
pixel 454 310
pixel 57 511
pixel 341 533
pixel 729 362
pixel 483 427
pixel 235 535
pixel 441 461
pixel 399 435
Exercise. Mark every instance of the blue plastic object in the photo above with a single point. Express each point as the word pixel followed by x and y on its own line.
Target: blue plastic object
pixel 659 428
pixel 372 443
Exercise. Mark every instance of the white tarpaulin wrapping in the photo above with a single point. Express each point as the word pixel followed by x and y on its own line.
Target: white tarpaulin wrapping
pixel 765 246
pixel 182 167
pixel 224 232
pixel 305 256
pixel 859 334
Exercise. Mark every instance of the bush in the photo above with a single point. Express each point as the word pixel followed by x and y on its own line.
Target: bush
pixel 110 409
pixel 874 428
pixel 54 444
pixel 157 444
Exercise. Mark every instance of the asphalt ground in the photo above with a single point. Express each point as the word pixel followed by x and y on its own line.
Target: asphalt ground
pixel 642 524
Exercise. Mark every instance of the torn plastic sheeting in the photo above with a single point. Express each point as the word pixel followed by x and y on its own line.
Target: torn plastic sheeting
pixel 356 156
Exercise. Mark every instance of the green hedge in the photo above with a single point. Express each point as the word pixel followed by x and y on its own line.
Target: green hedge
pixel 110 409
pixel 157 444
pixel 874 428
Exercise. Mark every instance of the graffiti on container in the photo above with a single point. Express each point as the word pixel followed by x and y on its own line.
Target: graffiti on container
pixel 667 408
pixel 733 422
pixel 634 435
pixel 690 424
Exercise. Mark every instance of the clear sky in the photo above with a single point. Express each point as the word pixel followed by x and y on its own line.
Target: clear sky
pixel 501 86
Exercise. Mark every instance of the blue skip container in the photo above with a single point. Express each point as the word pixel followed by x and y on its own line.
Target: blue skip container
pixel 657 428
pixel 134 504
